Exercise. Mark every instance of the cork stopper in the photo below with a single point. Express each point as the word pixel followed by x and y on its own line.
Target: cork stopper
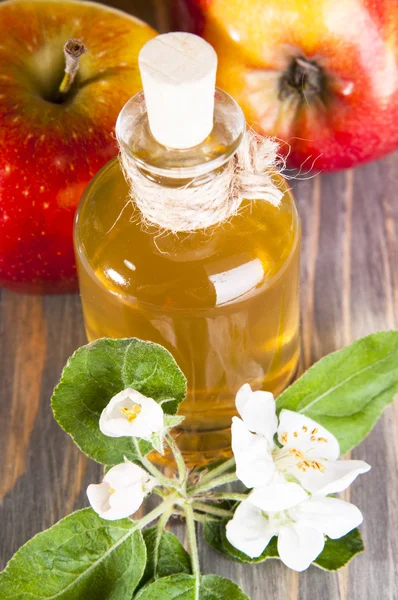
pixel 178 72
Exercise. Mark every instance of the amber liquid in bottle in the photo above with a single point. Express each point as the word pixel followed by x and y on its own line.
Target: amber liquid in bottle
pixel 224 300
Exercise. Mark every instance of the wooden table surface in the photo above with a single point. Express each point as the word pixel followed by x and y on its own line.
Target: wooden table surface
pixel 349 289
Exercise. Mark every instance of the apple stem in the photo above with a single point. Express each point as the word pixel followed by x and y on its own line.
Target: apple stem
pixel 73 50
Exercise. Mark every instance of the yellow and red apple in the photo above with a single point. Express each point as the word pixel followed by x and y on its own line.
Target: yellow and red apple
pixel 322 75
pixel 52 143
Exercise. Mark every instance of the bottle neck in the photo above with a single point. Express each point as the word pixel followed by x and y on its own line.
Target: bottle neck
pixel 195 188
pixel 182 204
pixel 136 140
pixel 168 181
pixel 181 189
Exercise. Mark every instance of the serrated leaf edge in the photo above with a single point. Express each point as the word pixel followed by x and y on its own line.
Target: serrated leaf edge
pixel 82 350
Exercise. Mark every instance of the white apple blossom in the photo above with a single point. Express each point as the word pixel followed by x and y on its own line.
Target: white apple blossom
pixel 130 413
pixel 301 527
pixel 121 492
pixel 307 453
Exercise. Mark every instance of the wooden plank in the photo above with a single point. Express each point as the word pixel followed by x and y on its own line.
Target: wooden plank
pixel 349 288
pixel 42 472
pixel 372 308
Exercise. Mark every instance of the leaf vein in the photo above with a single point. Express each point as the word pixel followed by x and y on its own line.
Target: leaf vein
pixel 340 384
pixel 93 565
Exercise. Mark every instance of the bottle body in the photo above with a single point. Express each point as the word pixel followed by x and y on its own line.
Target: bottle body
pixel 223 300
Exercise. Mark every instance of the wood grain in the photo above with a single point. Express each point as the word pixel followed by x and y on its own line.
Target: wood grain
pixel 349 288
pixel 20 368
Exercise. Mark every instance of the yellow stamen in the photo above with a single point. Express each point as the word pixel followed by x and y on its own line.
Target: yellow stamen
pixel 111 491
pixel 284 438
pixel 322 439
pixel 313 438
pixel 315 430
pixel 295 434
pixel 310 464
pixel 318 466
pixel 296 453
pixel 131 413
pixel 305 428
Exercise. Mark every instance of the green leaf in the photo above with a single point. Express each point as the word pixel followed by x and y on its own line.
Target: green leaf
pixel 171 421
pixel 182 587
pixel 212 531
pixel 82 556
pixel 347 390
pixel 157 442
pixel 172 558
pixel 337 553
pixel 213 587
pixel 179 586
pixel 98 371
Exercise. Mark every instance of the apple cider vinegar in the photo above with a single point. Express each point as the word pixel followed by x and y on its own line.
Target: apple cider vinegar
pixel 223 298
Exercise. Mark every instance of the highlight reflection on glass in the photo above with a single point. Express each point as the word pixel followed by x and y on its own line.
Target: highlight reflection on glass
pixel 230 285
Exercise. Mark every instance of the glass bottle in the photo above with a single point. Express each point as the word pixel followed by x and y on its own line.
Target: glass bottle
pixel 224 300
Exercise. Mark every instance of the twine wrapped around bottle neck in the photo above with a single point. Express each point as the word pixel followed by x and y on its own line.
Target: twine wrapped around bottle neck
pixel 201 204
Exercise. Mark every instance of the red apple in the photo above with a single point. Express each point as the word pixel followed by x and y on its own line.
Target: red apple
pixel 53 143
pixel 321 74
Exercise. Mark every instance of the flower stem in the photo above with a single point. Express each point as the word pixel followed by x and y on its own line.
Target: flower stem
pixel 203 487
pixel 182 470
pixel 227 496
pixel 159 532
pixel 159 492
pixel 190 521
pixel 156 512
pixel 225 466
pixel 211 510
pixel 205 518
pixel 199 517
pixel 154 471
